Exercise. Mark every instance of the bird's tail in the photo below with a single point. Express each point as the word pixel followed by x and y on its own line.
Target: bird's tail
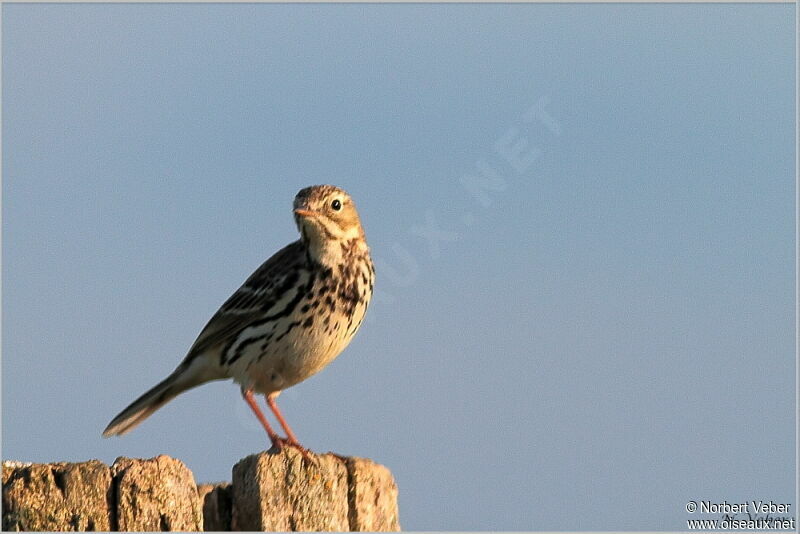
pixel 183 378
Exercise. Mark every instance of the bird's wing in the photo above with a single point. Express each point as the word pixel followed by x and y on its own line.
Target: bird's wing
pixel 254 300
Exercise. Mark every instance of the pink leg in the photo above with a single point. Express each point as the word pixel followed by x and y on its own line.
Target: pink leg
pixel 278 415
pixel 292 439
pixel 277 441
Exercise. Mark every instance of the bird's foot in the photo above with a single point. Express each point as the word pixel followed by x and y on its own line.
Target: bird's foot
pixel 278 445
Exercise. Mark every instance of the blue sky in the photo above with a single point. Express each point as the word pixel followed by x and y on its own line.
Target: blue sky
pixel 603 334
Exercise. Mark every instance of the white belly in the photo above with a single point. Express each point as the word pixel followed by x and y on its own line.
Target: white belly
pixel 297 354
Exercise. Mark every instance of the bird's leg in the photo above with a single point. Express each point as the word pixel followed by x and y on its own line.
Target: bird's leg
pixel 277 441
pixel 292 439
pixel 274 407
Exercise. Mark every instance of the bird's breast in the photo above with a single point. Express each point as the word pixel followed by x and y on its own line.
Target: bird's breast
pixel 329 309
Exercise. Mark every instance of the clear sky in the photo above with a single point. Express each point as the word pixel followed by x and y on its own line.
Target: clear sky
pixel 597 332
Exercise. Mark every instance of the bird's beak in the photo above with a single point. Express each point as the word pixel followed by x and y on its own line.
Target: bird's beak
pixel 305 213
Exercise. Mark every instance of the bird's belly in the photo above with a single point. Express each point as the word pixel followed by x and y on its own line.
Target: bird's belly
pixel 294 352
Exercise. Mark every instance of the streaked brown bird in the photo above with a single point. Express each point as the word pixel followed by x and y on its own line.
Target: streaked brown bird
pixel 293 316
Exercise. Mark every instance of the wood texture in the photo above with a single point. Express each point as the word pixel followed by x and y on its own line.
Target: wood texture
pixel 269 491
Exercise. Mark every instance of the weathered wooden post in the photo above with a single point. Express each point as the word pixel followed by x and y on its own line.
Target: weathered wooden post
pixel 278 492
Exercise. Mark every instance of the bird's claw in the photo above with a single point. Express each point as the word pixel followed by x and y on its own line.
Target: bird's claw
pixel 279 443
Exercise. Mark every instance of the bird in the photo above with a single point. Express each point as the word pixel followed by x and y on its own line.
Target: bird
pixel 291 318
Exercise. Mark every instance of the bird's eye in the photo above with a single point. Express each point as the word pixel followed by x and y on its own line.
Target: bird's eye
pixel 336 205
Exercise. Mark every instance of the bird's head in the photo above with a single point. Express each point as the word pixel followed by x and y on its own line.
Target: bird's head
pixel 328 222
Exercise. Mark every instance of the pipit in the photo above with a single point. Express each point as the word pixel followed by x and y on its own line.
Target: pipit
pixel 292 317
